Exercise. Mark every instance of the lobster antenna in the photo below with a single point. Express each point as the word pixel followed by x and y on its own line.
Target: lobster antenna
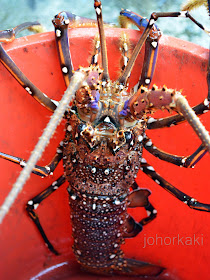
pixel 69 94
pixel 98 9
pixel 194 4
pixel 126 73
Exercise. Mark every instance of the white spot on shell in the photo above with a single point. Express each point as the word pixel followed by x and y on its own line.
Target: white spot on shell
pixel 22 163
pixel 73 196
pixel 206 102
pixel 61 144
pixel 132 143
pixel 28 90
pixel 125 61
pixel 147 81
pixel 151 120
pixel 151 22
pixel 183 14
pixel 94 206
pixel 65 70
pixel 154 44
pixel 184 160
pixel 69 128
pixel 140 138
pixel 106 171
pixel 148 213
pixel 96 58
pixel 66 21
pixel 107 119
pixel 112 256
pixel 117 201
pixel 150 168
pixel 98 11
pixel 36 206
pixel 58 33
pixel 158 182
pixel 93 170
pixel 149 143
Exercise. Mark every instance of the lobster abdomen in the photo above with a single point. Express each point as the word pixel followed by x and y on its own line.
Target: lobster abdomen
pixel 98 224
pixel 100 172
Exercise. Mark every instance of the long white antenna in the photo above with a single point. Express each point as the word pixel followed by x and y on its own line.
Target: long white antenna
pixel 69 94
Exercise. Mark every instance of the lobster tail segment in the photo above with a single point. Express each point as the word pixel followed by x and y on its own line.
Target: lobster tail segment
pixel 137 268
pixel 130 267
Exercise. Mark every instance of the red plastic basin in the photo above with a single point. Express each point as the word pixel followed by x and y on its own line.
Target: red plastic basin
pixel 177 239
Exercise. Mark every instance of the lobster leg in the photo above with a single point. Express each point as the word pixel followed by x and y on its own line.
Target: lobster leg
pixel 34 203
pixel 151 211
pixel 148 28
pixel 77 21
pixel 7 36
pixel 126 73
pixel 190 201
pixel 25 82
pixel 151 46
pixel 139 198
pixel 61 22
pixel 180 14
pixel 199 109
pixel 188 162
pixel 42 171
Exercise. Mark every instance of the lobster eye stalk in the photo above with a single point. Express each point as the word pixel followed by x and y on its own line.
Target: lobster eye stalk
pixel 98 9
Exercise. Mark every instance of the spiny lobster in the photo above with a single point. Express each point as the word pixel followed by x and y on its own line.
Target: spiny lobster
pixel 102 148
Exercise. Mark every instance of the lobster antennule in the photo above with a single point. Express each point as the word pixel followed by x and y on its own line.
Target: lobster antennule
pixel 98 9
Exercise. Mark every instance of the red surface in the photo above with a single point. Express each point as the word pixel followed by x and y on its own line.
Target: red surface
pixel 23 255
